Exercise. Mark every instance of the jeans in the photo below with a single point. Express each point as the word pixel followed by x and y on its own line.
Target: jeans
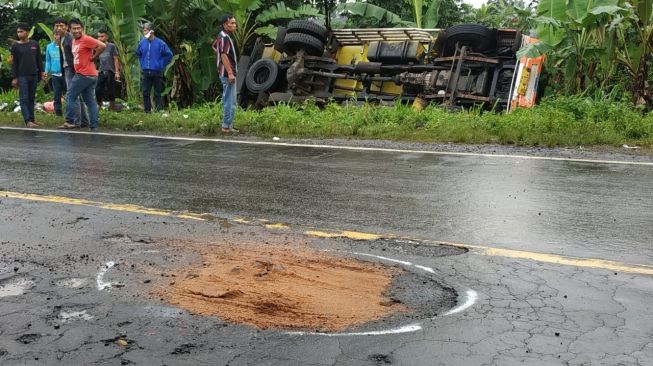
pixel 27 94
pixel 151 79
pixel 59 86
pixel 83 86
pixel 81 116
pixel 106 86
pixel 228 102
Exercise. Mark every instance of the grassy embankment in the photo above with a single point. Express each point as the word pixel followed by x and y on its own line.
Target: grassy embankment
pixel 555 122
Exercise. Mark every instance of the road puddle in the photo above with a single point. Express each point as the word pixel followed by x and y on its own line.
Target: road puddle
pixel 284 287
pixel 74 315
pixel 74 283
pixel 15 288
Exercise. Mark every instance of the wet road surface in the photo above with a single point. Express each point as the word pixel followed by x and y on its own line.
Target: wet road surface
pixel 62 304
pixel 571 208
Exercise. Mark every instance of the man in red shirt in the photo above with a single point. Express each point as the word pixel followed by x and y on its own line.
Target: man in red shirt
pixel 86 50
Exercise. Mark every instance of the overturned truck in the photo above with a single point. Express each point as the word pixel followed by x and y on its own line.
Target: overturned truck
pixel 463 66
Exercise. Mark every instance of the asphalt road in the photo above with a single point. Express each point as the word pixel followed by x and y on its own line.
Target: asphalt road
pixel 62 304
pixel 579 209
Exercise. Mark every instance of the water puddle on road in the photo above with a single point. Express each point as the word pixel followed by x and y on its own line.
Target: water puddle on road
pixel 72 283
pixel 74 315
pixel 15 287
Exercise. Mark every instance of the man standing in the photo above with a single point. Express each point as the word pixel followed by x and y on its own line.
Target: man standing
pixel 54 69
pixel 26 68
pixel 86 50
pixel 68 62
pixel 109 72
pixel 227 68
pixel 154 55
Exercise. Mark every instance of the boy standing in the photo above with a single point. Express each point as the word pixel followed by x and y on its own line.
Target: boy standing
pixel 109 72
pixel 54 69
pixel 26 68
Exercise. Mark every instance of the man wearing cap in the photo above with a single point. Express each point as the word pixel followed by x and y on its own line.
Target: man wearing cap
pixel 154 55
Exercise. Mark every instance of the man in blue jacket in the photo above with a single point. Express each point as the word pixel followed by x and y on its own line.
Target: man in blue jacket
pixel 154 55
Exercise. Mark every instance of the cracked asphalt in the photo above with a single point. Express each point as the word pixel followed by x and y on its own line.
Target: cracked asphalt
pixel 526 311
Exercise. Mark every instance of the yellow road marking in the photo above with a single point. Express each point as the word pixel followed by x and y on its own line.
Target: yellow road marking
pixel 344 234
pixel 570 261
pixel 277 226
pixel 106 206
pixel 482 250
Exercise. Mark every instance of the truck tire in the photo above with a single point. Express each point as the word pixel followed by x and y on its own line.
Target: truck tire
pixel 308 27
pixel 262 75
pixel 281 36
pixel 479 38
pixel 300 41
pixel 243 65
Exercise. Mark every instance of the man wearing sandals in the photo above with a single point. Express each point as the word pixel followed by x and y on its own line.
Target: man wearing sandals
pixel 86 50
pixel 68 61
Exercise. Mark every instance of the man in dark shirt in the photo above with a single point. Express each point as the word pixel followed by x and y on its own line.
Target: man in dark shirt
pixel 227 61
pixel 27 67
pixel 109 72
pixel 61 28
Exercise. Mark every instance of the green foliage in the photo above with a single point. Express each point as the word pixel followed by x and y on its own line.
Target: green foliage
pixel 514 14
pixel 561 121
pixel 253 19
pixel 279 14
pixel 365 15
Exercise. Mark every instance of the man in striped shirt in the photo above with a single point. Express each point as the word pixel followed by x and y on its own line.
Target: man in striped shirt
pixel 227 61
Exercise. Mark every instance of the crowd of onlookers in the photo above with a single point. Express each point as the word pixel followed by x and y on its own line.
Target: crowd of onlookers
pixel 70 67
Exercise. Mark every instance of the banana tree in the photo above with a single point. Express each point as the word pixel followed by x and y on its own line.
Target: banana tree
pixel 432 12
pixel 366 14
pixel 252 20
pixel 188 27
pixel 575 33
pixel 380 16
pixel 643 14
pixel 121 17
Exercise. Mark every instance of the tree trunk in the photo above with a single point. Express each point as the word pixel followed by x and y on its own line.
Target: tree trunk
pixel 182 85
pixel 641 89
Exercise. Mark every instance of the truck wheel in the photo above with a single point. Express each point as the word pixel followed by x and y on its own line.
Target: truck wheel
pixel 479 38
pixel 262 75
pixel 278 41
pixel 243 65
pixel 299 41
pixel 308 27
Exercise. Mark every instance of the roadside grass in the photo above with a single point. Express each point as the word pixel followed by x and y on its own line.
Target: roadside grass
pixel 563 121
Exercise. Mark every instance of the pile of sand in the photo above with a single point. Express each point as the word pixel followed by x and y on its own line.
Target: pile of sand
pixel 284 287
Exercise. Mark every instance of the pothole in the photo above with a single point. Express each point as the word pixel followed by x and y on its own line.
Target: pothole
pixel 286 287
pixel 414 248
pixel 292 287
pixel 15 287
pixel 28 338
pixel 127 239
